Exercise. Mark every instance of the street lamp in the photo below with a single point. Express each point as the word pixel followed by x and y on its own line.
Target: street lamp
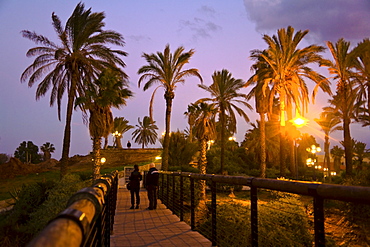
pixel 116 135
pixel 297 122
pixel 314 149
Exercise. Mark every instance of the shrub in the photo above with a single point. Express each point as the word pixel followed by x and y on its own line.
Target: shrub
pixel 36 204
pixel 281 222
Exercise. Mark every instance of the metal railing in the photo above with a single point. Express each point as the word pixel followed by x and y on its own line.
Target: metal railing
pixel 178 193
pixel 87 220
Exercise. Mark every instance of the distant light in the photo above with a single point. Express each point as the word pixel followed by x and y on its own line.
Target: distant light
pixel 103 160
pixel 299 122
pixel 158 158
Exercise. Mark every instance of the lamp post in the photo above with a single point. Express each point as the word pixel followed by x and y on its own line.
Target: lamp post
pixel 313 149
pixel 116 136
pixel 298 122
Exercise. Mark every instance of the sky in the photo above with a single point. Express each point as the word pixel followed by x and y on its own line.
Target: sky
pixel 222 33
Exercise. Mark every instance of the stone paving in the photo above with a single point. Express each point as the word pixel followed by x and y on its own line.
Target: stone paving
pixel 142 227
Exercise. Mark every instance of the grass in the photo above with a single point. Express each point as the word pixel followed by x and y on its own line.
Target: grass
pixel 9 185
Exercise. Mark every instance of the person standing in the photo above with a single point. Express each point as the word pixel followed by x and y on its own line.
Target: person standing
pixel 135 179
pixel 151 184
pixel 128 144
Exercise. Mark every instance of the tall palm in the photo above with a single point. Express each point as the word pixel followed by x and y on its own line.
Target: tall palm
pixel 166 69
pixel 261 94
pixel 337 154
pixel 47 149
pixel 344 103
pixel 329 123
pixel 120 126
pixel 224 92
pixel 111 91
pixel 284 67
pixel 190 113
pixel 204 131
pixel 75 63
pixel 362 65
pixel 145 133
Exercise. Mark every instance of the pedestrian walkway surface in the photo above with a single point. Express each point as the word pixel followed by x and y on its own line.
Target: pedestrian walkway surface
pixel 142 227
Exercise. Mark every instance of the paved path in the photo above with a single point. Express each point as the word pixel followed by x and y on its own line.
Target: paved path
pixel 141 227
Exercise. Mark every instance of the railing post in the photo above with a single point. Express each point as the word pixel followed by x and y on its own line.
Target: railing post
pixel 173 193
pixel 181 198
pixel 213 213
pixel 318 204
pixel 254 216
pixel 161 187
pixel 167 190
pixel 192 204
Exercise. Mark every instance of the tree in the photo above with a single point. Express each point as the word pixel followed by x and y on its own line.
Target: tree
pixel 344 101
pixel 190 113
pixel 73 65
pixel 284 66
pixel 224 92
pixel 166 69
pixel 329 123
pixel 111 91
pixel 145 133
pixel 359 153
pixel 261 95
pixel 47 149
pixel 27 152
pixel 337 154
pixel 204 130
pixel 181 150
pixel 121 126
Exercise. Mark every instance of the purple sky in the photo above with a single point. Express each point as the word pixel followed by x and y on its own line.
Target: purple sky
pixel 222 33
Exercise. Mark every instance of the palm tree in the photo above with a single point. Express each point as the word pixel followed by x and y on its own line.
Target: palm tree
pixel 166 69
pixel 111 91
pixel 190 113
pixel 224 91
pixel 344 101
pixel 145 133
pixel 337 154
pixel 362 65
pixel 204 131
pixel 284 66
pixel 120 126
pixel 47 149
pixel 329 123
pixel 74 64
pixel 261 94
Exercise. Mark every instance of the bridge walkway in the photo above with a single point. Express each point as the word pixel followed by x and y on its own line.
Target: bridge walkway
pixel 142 227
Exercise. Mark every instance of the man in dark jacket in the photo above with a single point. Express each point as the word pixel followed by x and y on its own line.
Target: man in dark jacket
pixel 135 179
pixel 151 184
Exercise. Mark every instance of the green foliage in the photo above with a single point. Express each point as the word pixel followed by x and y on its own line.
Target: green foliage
pixel 27 152
pixel 36 204
pixel 181 150
pixel 187 168
pixel 236 160
pixel 281 222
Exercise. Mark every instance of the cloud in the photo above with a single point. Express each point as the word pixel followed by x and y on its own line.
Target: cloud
pixel 327 20
pixel 201 27
pixel 139 38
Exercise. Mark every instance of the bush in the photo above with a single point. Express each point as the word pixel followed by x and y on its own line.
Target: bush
pixel 281 222
pixel 36 204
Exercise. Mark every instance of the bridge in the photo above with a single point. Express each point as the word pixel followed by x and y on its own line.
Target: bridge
pixel 100 215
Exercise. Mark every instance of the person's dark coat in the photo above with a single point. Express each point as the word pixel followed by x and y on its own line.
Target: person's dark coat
pixel 152 177
pixel 135 179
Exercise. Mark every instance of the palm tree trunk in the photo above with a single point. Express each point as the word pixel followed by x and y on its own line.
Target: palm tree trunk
pixel 203 167
pixel 347 146
pixel 263 144
pixel 118 142
pixel 67 129
pixel 282 135
pixel 222 119
pixel 96 157
pixel 166 141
